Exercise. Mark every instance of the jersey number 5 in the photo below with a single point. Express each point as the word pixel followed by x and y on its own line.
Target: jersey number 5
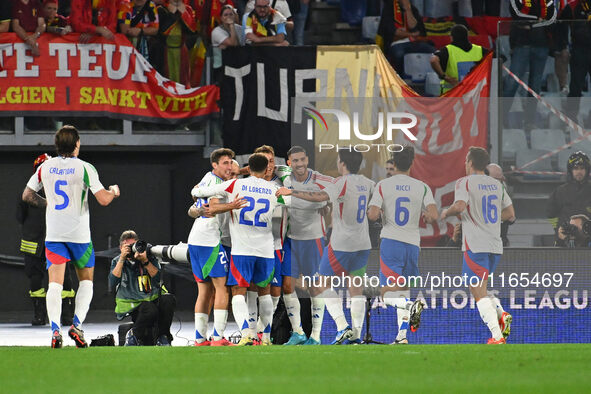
pixel 257 215
pixel 61 193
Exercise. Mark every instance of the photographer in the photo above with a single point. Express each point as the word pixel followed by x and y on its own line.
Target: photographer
pixel 136 273
pixel 573 197
pixel 577 232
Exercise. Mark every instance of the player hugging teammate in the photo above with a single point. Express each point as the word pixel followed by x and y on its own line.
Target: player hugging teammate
pixel 276 219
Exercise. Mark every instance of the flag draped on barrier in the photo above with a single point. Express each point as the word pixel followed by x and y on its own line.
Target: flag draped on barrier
pixel 259 82
pixel 100 78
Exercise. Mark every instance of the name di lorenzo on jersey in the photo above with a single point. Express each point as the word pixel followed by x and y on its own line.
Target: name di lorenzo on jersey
pixel 254 189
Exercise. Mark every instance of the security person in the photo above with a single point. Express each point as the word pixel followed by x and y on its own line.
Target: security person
pixel 32 221
pixel 454 61
pixel 573 197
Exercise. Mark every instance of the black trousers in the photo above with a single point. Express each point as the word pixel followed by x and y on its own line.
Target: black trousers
pixel 152 315
pixel 580 66
pixel 35 271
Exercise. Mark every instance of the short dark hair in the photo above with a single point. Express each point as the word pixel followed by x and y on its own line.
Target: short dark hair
pixel 265 149
pixel 479 158
pixel 127 234
pixel 257 162
pixel 65 140
pixel 390 161
pixel 296 149
pixel 352 160
pixel 403 159
pixel 217 154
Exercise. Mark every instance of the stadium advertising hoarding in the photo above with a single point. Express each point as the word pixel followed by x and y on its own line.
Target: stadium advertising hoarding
pixel 101 77
pixel 546 290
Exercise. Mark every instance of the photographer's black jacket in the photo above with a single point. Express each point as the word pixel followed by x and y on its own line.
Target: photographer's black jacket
pixel 572 198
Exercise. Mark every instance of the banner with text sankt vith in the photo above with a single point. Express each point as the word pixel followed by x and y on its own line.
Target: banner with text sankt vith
pixel 98 78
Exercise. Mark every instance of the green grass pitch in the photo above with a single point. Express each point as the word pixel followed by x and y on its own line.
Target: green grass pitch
pixel 280 369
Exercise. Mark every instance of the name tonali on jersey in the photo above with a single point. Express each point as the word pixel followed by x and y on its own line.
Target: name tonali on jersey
pixel 350 195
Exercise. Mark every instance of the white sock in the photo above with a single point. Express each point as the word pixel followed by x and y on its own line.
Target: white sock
pixel 83 298
pixel 401 303
pixel 266 306
pixel 201 320
pixel 497 305
pixel 292 306
pixel 53 298
pixel 251 302
pixel 240 311
pixel 317 317
pixel 220 318
pixel 275 302
pixel 357 315
pixel 334 306
pixel 489 317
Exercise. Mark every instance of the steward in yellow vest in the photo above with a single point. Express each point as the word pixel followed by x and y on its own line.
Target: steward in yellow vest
pixel 454 61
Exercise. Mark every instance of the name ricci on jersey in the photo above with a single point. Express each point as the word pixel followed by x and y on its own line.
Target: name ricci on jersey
pixel 254 189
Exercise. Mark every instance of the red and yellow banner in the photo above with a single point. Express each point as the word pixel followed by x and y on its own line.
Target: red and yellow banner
pixel 101 77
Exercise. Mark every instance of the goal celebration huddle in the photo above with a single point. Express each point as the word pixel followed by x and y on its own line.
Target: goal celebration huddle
pixel 261 230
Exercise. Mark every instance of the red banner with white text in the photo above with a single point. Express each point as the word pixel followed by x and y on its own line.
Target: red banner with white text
pixel 451 124
pixel 108 78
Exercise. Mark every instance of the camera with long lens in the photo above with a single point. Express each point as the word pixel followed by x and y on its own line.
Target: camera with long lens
pixel 570 230
pixel 140 247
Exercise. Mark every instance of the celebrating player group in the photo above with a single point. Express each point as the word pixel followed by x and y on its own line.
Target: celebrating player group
pixel 262 234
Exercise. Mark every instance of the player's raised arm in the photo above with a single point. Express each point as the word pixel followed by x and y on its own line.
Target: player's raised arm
pixel 304 195
pixel 216 207
pixel 430 215
pixel 457 208
pixel 215 190
pixel 105 197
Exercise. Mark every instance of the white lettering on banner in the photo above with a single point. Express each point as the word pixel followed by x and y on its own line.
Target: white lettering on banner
pixel 22 60
pixel 238 74
pixel 87 60
pixel 433 124
pixel 262 109
pixel 142 66
pixel 63 51
pixel 8 49
pixel 306 99
pixel 124 61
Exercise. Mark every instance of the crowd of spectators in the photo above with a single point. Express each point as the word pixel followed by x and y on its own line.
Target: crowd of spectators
pixel 173 35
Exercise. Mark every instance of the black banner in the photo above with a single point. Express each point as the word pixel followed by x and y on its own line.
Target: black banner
pixel 256 90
